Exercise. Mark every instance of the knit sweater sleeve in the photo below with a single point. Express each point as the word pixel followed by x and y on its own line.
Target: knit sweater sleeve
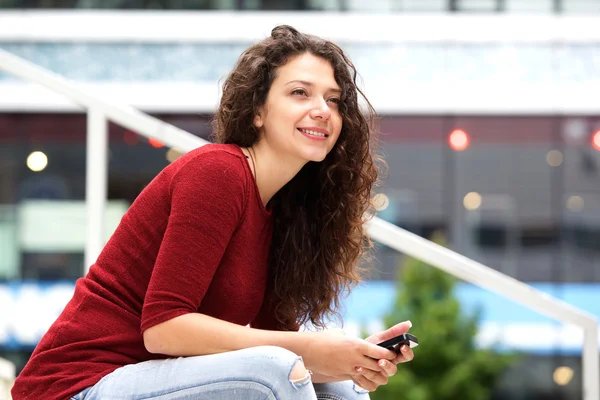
pixel 208 195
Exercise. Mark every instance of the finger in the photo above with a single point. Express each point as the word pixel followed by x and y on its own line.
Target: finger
pixel 377 352
pixel 368 363
pixel 389 367
pixel 392 332
pixel 406 354
pixel 379 378
pixel 364 383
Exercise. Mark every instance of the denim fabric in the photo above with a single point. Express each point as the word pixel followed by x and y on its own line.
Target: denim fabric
pixel 258 373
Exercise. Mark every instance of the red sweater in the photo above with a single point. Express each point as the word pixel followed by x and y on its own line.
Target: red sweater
pixel 195 240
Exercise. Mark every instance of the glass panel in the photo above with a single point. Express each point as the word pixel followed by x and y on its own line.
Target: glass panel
pixel 44 168
pixel 580 6
pixel 477 5
pixel 581 200
pixel 414 188
pixel 329 5
pixel 547 376
pixel 123 4
pixel 533 6
pixel 504 212
pixel 362 5
pixel 9 3
pixel 9 249
pixel 277 4
pixel 423 5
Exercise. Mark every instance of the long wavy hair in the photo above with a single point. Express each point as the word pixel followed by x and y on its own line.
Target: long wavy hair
pixel 318 237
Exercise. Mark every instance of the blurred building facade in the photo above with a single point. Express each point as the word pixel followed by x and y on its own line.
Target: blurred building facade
pixel 490 125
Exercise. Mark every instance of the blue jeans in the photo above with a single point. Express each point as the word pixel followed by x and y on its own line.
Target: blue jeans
pixel 258 373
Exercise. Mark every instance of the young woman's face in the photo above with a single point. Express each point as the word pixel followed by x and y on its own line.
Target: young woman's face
pixel 300 118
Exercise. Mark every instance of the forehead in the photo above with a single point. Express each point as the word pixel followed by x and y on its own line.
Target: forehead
pixel 307 67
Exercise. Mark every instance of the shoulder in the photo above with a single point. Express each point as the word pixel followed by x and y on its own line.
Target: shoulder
pixel 213 171
pixel 214 161
pixel 220 154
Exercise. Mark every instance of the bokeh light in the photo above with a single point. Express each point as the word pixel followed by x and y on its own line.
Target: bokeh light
pixel 563 375
pixel 575 203
pixel 596 140
pixel 458 140
pixel 155 143
pixel 472 201
pixel 554 158
pixel 381 201
pixel 37 161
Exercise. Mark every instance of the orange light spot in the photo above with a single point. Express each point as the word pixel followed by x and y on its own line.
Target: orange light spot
pixel 155 143
pixel 596 140
pixel 458 140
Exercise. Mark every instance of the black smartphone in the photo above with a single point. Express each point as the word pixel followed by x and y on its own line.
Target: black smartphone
pixel 395 343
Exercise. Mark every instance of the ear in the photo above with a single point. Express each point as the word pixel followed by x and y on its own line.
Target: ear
pixel 258 119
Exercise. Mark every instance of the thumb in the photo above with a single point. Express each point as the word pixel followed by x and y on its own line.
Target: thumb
pixel 394 331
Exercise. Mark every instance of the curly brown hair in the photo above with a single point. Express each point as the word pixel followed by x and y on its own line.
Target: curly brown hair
pixel 318 237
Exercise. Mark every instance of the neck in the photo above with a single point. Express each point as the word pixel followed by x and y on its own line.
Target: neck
pixel 273 170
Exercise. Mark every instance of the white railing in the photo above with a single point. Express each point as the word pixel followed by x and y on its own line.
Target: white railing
pixel 99 111
pixel 7 376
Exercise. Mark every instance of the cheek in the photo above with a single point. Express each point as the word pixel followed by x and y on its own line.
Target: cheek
pixel 287 117
pixel 275 125
pixel 338 124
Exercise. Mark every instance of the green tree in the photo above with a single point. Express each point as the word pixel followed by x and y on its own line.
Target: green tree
pixel 447 365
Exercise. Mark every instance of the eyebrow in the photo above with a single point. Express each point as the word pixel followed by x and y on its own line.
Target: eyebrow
pixel 307 83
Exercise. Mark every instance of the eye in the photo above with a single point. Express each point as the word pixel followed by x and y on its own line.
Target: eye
pixel 335 100
pixel 301 92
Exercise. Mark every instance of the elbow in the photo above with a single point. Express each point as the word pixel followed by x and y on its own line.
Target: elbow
pixel 152 341
pixel 165 338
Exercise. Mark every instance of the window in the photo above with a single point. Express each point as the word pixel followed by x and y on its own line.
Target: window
pixel 531 6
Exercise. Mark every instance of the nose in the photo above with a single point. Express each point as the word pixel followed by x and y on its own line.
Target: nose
pixel 320 110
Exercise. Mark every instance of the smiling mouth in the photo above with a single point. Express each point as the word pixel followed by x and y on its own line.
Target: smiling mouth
pixel 313 133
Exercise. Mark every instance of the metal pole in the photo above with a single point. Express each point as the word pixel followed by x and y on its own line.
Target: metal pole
pixel 558 6
pixel 591 363
pixel 559 265
pixel 95 184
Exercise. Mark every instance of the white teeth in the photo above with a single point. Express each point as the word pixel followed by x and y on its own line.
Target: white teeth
pixel 314 133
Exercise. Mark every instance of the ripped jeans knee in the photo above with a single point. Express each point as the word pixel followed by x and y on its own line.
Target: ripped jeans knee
pixel 299 375
pixel 283 367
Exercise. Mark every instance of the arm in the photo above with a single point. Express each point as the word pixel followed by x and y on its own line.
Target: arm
pixel 207 198
pixel 330 357
pixel 198 334
pixel 320 378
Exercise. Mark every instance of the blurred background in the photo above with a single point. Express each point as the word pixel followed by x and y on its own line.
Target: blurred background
pixel 490 122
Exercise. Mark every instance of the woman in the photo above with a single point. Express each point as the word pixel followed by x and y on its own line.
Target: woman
pixel 263 228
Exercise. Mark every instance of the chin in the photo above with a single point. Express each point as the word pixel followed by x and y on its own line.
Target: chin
pixel 315 156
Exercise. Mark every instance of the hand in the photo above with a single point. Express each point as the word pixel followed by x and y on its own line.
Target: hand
pixel 336 355
pixel 371 379
pixel 406 353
